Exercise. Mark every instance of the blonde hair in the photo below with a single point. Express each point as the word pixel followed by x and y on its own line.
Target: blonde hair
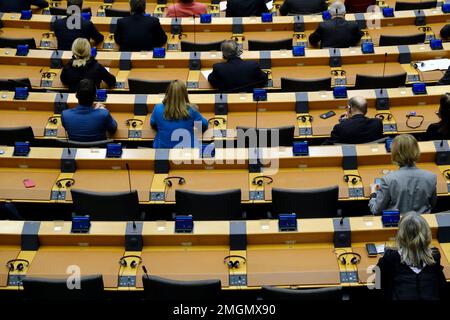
pixel 176 102
pixel 413 241
pixel 405 150
pixel 81 51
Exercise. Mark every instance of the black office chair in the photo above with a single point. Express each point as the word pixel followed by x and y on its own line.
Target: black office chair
pixel 57 11
pixel 209 46
pixel 281 294
pixel 374 82
pixel 401 6
pixel 10 84
pixel 107 206
pixel 16 134
pixel 308 203
pixel 147 87
pixel 255 45
pixel 78 144
pixel 252 137
pixel 41 289
pixel 305 85
pixel 14 42
pixel 110 12
pixel 161 289
pixel 219 205
pixel 401 40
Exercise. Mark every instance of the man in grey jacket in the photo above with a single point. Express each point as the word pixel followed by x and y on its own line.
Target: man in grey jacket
pixel 407 189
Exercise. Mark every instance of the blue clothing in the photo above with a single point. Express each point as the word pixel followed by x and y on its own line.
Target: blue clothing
pixel 87 124
pixel 167 129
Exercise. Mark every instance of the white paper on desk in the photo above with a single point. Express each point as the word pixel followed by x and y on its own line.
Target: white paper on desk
pixel 380 248
pixel 434 64
pixel 206 73
pixel 222 5
pixel 269 5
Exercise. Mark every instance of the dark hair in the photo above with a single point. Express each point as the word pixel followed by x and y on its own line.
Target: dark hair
pixel 78 3
pixel 137 6
pixel 86 92
pixel 444 114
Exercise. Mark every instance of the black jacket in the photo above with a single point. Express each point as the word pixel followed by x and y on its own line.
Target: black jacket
pixel 436 132
pixel 71 76
pixel 399 282
pixel 302 7
pixel 336 33
pixel 237 75
pixel 19 5
pixel 67 36
pixel 357 129
pixel 246 8
pixel 139 33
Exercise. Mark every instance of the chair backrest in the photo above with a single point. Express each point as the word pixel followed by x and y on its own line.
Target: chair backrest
pixel 147 87
pixel 21 134
pixel 401 40
pixel 374 82
pixel 106 206
pixel 191 46
pixel 399 6
pixel 57 11
pixel 282 294
pixel 110 12
pixel 14 42
pixel 305 85
pixel 79 144
pixel 219 205
pixel 307 203
pixel 156 288
pixel 255 45
pixel 56 289
pixel 357 6
pixel 265 137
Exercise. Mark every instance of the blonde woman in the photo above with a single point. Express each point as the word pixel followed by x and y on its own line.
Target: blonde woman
pixel 412 270
pixel 174 119
pixel 406 189
pixel 83 66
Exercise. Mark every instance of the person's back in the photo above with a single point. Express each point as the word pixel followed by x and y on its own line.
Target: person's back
pixel 247 8
pixel 291 7
pixel 19 5
pixel 86 123
pixel 186 8
pixel 66 31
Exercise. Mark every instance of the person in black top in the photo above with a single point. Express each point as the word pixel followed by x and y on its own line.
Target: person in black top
pixel 246 8
pixel 19 5
pixel 139 32
pixel 68 29
pixel 83 66
pixel 355 127
pixel 236 75
pixel 336 32
pixel 441 130
pixel 412 270
pixel 294 7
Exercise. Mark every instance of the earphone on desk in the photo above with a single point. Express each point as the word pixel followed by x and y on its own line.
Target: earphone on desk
pixel 69 182
pixel 133 264
pixel 233 264
pixel 20 266
pixel 168 181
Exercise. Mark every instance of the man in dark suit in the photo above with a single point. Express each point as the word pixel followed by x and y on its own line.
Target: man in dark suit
pixel 86 122
pixel 336 32
pixel 236 75
pixel 294 7
pixel 73 27
pixel 139 32
pixel 246 8
pixel 19 5
pixel 356 127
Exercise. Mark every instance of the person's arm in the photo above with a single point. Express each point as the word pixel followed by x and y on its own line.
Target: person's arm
pixel 107 77
pixel 199 118
pixel 316 37
pixel 380 198
pixel 94 34
pixel 39 3
pixel 160 35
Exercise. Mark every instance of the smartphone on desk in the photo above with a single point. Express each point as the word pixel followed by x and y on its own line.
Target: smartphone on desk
pixel 328 114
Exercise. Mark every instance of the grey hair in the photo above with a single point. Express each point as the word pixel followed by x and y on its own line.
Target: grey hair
pixel 337 8
pixel 230 49
pixel 359 103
